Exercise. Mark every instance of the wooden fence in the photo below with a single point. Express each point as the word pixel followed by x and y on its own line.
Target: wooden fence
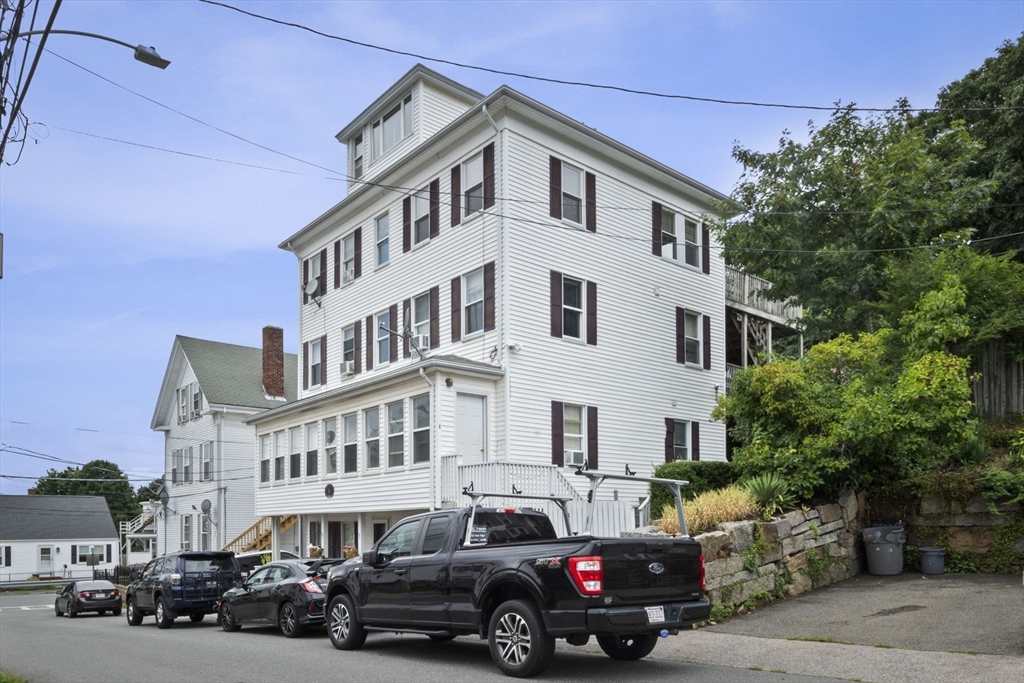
pixel 999 390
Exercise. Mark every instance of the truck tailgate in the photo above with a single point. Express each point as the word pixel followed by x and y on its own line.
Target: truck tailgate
pixel 644 570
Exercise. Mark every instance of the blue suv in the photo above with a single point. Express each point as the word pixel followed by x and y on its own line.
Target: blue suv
pixel 181 583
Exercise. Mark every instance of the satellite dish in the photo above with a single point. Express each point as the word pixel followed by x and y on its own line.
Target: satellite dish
pixel 329 490
pixel 163 495
pixel 311 287
pixel 330 436
pixel 205 506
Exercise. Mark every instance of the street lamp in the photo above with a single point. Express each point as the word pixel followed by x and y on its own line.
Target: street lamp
pixel 146 55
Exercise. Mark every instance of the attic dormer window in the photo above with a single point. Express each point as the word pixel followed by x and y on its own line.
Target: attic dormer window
pixel 393 127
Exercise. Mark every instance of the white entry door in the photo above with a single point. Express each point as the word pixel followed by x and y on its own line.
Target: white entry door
pixel 470 428
pixel 45 560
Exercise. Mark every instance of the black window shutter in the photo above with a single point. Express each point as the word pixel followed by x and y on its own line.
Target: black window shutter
pixel 489 176
pixel 323 360
pixel 322 283
pixel 656 228
pixel 556 304
pixel 591 181
pixel 108 553
pixel 305 280
pixel 358 267
pixel 357 335
pixel 369 342
pixel 435 208
pixel 337 264
pixel 680 335
pixel 435 315
pixel 592 437
pixel 592 313
pixel 305 365
pixel 557 434
pixel 456 195
pixel 7 556
pixel 406 326
pixel 393 318
pixel 555 181
pixel 456 309
pixel 406 224
pixel 670 439
pixel 489 296
pixel 706 342
pixel 695 441
pixel 705 249
pixel 74 554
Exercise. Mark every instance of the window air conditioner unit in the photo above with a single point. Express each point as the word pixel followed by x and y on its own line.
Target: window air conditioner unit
pixel 348 276
pixel 574 457
pixel 422 341
pixel 348 367
pixel 196 414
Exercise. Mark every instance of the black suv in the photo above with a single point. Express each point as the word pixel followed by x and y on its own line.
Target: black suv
pixel 181 583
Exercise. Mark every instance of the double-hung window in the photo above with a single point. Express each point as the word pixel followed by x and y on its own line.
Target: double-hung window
pixel 382 239
pixel 473 180
pixel 315 366
pixel 572 194
pixel 295 455
pixel 279 474
pixel 693 340
pixel 680 238
pixel 330 446
pixel 204 532
pixel 393 127
pixel 572 308
pixel 315 267
pixel 474 308
pixel 371 434
pixel 197 401
pixel 186 467
pixel 206 461
pixel 421 217
pixel 421 429
pixel 351 444
pixel 348 263
pixel 312 449
pixel 575 455
pixel 421 321
pixel 680 441
pixel 383 338
pixel 357 156
pixel 186 532
pixel 396 434
pixel 183 398
pixel 265 458
pixel 691 237
pixel 175 466
pixel 348 344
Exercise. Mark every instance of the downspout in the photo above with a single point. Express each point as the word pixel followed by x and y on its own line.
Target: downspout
pixel 222 490
pixel 433 437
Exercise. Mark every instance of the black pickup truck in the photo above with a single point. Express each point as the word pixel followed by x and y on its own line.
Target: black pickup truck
pixel 503 574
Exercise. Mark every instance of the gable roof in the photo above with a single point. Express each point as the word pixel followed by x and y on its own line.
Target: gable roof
pixel 28 518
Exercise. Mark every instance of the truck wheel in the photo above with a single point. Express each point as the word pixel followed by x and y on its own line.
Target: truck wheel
pixel 346 633
pixel 519 644
pixel 288 620
pixel 134 618
pixel 163 617
pixel 628 648
pixel 227 619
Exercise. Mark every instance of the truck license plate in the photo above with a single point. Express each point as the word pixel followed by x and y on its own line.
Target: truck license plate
pixel 655 614
pixel 211 584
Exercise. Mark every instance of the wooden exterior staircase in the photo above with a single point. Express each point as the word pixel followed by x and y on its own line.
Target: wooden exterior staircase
pixel 257 537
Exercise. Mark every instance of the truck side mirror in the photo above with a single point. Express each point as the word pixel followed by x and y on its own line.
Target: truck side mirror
pixel 370 557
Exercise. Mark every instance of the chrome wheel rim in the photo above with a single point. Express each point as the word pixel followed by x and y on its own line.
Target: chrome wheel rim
pixel 512 637
pixel 160 611
pixel 340 622
pixel 131 609
pixel 288 619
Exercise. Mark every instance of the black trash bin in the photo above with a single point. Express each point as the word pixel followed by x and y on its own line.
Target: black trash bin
pixel 884 548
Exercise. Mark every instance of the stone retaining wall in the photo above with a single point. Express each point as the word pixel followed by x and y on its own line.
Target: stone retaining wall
pixel 808 548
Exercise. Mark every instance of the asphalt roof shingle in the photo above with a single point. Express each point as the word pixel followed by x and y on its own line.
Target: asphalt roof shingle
pixel 233 375
pixel 27 518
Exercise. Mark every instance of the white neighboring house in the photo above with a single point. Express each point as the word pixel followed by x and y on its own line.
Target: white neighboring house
pixel 55 536
pixel 564 301
pixel 209 388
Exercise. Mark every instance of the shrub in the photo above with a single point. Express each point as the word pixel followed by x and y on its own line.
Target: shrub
pixel 771 493
pixel 703 476
pixel 710 509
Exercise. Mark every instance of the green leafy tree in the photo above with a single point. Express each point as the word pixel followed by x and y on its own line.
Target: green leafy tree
pixel 984 101
pixel 822 219
pixel 94 478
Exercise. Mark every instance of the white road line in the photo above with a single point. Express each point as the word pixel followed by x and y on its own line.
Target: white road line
pixel 26 607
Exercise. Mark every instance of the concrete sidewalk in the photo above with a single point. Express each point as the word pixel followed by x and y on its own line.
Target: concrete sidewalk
pixel 909 628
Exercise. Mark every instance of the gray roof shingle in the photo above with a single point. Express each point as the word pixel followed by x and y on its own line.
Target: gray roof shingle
pixel 27 518
pixel 233 375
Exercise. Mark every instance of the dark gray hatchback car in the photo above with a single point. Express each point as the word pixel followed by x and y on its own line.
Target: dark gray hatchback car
pixel 179 584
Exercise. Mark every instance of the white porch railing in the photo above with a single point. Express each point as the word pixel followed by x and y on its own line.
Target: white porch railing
pixel 747 289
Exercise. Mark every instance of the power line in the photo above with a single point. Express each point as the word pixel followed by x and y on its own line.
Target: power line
pixel 582 84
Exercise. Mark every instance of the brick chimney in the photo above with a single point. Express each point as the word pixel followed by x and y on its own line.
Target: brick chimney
pixel 31 492
pixel 273 361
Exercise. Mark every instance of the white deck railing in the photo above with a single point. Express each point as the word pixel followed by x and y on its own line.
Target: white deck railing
pixel 747 289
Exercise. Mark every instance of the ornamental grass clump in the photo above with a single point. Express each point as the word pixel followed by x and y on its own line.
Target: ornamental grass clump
pixel 771 494
pixel 710 509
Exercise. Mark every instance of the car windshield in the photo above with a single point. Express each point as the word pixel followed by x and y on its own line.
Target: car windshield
pixel 209 564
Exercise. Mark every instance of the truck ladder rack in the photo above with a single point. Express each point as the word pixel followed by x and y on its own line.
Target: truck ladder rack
pixel 478 497
pixel 597 478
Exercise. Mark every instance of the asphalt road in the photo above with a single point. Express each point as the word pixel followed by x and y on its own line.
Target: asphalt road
pixel 44 649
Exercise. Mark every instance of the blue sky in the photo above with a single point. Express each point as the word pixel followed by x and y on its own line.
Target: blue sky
pixel 113 248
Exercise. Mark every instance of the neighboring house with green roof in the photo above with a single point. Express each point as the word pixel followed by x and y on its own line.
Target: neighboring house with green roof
pixel 209 453
pixel 46 536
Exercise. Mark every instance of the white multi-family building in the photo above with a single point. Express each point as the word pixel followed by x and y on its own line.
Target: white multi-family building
pixel 208 389
pixel 504 295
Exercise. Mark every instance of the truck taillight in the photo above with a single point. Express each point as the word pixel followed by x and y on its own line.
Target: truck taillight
pixel 175 579
pixel 703 585
pixel 587 573
pixel 310 586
